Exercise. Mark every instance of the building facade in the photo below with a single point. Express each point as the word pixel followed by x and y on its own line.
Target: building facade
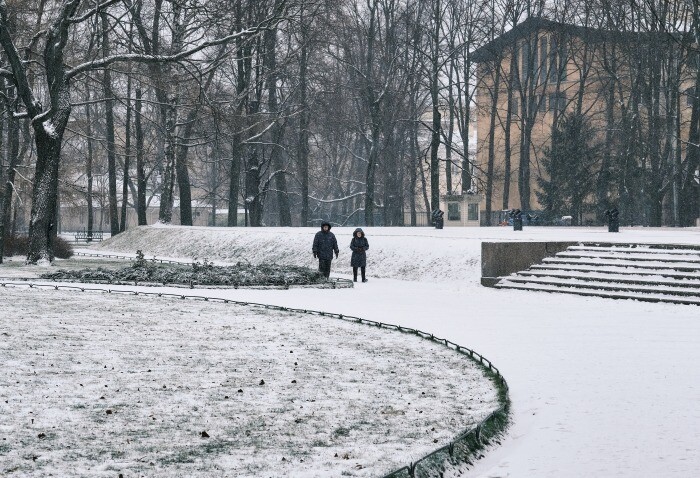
pixel 635 91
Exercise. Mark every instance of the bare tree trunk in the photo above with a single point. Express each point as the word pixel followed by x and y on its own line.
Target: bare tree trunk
pixel 413 175
pixel 234 182
pixel 44 195
pixel 303 150
pixel 88 166
pixel 183 178
pixel 375 116
pixel 109 126
pixel 252 189
pixel 372 166
pixel 243 70
pixel 437 118
pixel 508 150
pixel 169 115
pixel 140 171
pixel 127 158
pixel 492 142
pixel 277 132
pixel 8 180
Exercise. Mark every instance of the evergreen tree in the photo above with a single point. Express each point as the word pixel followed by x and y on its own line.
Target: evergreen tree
pixel 569 166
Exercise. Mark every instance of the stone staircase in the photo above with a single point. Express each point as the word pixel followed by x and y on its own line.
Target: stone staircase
pixel 646 272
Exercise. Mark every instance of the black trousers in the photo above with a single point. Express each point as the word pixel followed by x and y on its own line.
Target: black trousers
pixel 354 272
pixel 324 267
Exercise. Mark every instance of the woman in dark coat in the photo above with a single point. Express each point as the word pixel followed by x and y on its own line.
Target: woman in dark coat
pixel 359 245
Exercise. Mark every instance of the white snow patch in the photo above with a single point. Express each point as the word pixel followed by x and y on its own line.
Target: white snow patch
pixel 49 128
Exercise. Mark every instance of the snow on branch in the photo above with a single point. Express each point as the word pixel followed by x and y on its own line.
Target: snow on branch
pixel 328 201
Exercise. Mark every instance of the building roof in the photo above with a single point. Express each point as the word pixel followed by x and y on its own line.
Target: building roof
pixel 495 47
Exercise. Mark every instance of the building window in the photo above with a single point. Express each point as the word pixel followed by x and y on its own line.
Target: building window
pixel 557 61
pixel 529 63
pixel 553 60
pixel 525 60
pixel 557 102
pixel 537 104
pixel 473 212
pixel 453 211
pixel 563 60
pixel 689 96
pixel 543 60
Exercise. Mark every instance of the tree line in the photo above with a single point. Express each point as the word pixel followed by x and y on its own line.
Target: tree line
pixel 292 110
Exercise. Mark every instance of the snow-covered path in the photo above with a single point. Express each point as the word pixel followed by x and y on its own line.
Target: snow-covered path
pixel 599 387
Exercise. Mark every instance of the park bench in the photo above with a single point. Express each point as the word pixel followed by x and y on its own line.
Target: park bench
pixel 84 236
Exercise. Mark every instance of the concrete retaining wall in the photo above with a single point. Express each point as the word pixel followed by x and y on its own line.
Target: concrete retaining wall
pixel 503 258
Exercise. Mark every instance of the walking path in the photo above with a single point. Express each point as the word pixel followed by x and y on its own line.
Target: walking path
pixel 599 387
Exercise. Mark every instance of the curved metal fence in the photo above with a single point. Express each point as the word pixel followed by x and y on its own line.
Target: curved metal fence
pixel 461 449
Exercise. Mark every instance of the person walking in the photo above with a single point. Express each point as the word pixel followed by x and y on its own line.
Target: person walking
pixel 359 246
pixel 323 248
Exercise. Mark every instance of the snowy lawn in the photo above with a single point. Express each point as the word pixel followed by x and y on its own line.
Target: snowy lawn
pixel 97 384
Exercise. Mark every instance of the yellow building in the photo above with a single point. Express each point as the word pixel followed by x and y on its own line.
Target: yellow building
pixel 536 72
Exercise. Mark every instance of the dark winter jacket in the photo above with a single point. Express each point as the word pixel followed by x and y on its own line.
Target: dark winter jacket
pixel 325 244
pixel 359 245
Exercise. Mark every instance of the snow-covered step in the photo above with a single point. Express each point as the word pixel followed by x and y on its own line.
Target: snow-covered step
pixel 649 288
pixel 643 272
pixel 630 256
pixel 678 266
pixel 688 250
pixel 603 276
pixel 642 296
pixel 623 270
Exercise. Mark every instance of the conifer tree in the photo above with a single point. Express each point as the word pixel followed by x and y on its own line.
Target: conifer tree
pixel 569 167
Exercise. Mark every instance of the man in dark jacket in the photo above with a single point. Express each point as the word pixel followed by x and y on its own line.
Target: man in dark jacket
pixel 324 247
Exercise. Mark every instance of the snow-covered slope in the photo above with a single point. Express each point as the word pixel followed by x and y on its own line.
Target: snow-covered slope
pixel 396 255
pixel 420 254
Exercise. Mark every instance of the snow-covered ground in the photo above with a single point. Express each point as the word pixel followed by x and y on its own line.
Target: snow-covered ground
pixel 599 387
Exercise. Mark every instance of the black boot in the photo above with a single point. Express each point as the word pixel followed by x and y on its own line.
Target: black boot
pixel 364 279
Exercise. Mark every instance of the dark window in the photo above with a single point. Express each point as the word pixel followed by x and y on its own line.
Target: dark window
pixel 525 61
pixel 473 212
pixel 453 211
pixel 537 104
pixel 535 62
pixel 563 60
pixel 689 96
pixel 553 60
pixel 544 59
pixel 557 102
